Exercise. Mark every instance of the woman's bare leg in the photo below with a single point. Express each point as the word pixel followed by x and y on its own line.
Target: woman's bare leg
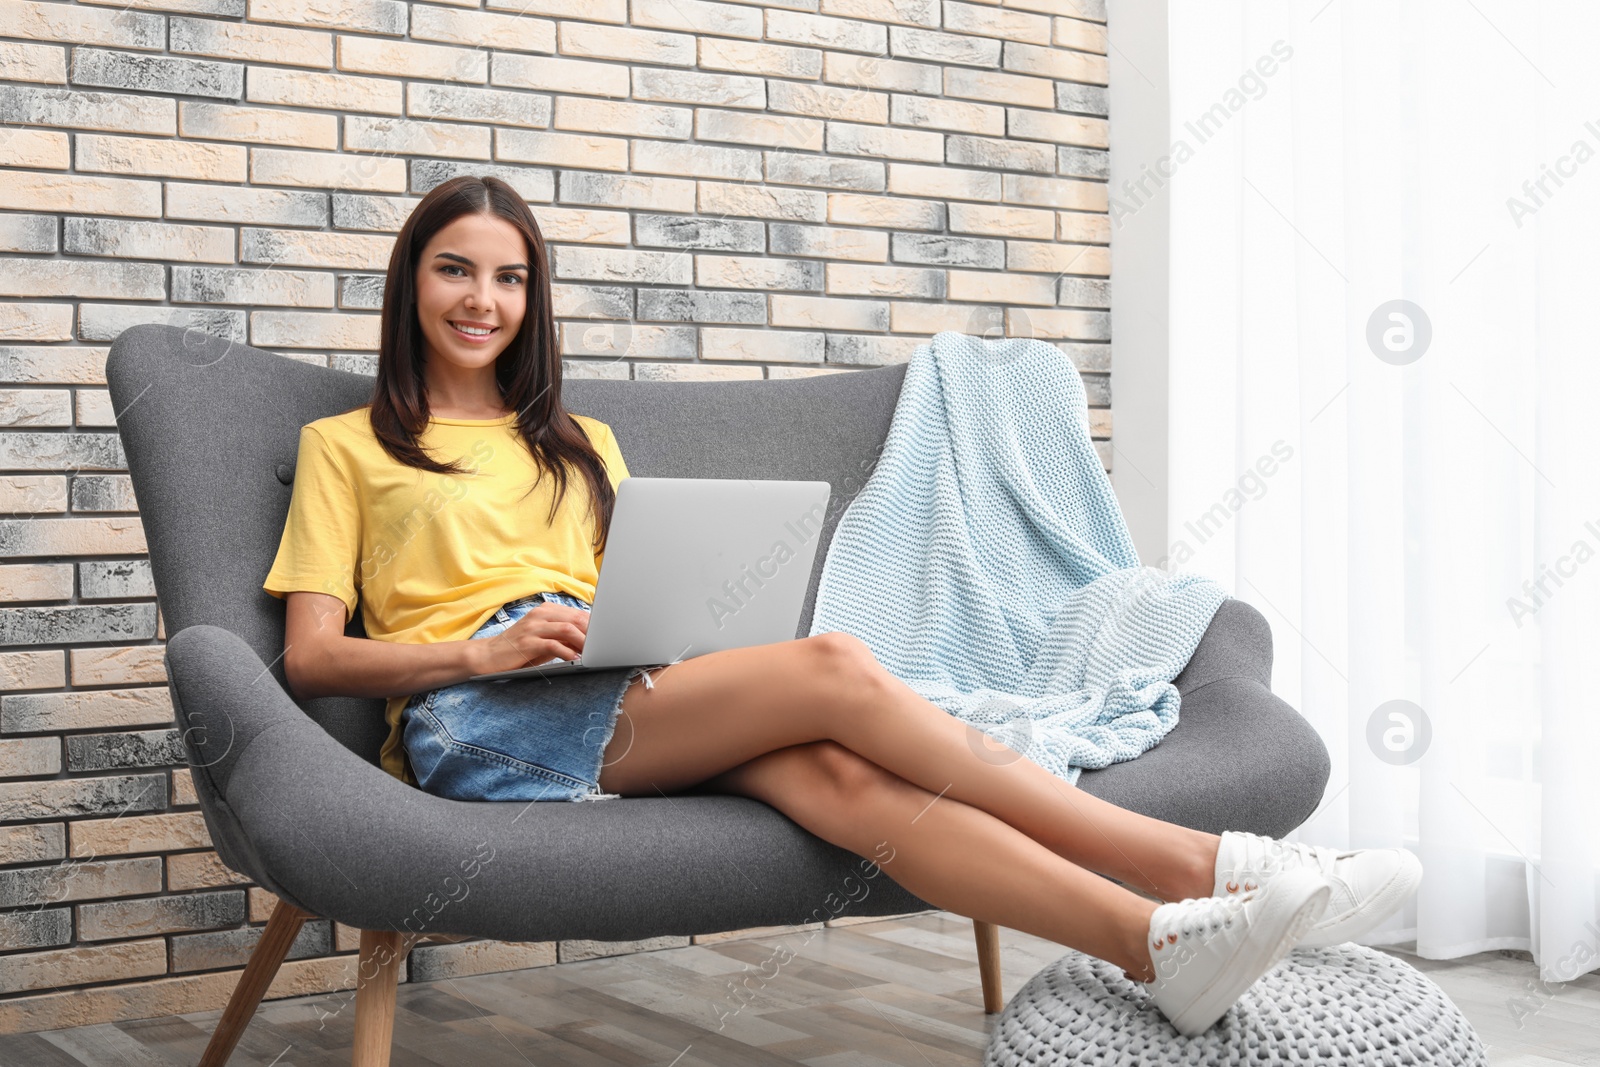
pixel 708 714
pixel 950 854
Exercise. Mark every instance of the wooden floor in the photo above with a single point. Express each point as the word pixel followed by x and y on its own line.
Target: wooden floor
pixel 899 991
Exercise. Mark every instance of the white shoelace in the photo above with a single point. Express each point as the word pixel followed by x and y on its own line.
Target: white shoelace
pixel 1194 917
pixel 1267 854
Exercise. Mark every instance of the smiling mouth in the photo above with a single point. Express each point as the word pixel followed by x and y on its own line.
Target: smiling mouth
pixel 474 335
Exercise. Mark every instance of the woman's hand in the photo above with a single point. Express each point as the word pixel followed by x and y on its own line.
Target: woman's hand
pixel 545 632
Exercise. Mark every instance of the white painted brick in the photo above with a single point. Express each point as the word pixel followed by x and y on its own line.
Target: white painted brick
pixel 1055 192
pixel 608 116
pixel 869 351
pixel 984 20
pixel 694 87
pixel 794 169
pixel 619 190
pixel 789 346
pixel 854 279
pixel 262 207
pixel 160 158
pixel 28 233
pixel 33 62
pixel 263 44
pixel 697 16
pixel 300 329
pixel 892 212
pixel 908 12
pixel 369 16
pixel 875 72
pixel 75 24
pixel 34 322
pixel 773 131
pixel 853 140
pixel 622 265
pixel 829 313
pixel 829 242
pixel 81 278
pixel 559 75
pixel 363 133
pixel 1056 258
pixel 505 107
pixel 846 103
pixel 1079 34
pixel 371 172
pixel 1083 226
pixel 255 125
pixel 632 340
pixel 762 201
pixel 950 183
pixel 85 110
pixel 960 116
pixel 304 88
pixel 615 11
pixel 755 273
pixel 697 160
pixel 35 407
pixel 780 61
pixel 557 149
pixel 845 35
pixel 618 42
pixel 996 87
pixel 520 32
pixel 1002 287
pixel 1002 221
pixel 692 372
pixel 1063 129
pixel 129 239
pixel 906 42
pixel 37 149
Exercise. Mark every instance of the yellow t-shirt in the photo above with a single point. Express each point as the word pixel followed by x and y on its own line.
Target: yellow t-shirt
pixel 430 557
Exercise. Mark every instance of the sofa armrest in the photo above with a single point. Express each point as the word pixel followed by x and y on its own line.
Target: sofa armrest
pixel 226 702
pixel 1237 644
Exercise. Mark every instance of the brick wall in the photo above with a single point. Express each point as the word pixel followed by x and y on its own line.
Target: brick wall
pixel 729 190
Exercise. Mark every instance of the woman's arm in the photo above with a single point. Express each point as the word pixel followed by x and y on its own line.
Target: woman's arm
pixel 319 660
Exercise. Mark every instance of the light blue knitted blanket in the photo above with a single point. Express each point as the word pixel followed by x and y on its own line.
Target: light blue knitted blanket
pixel 987 565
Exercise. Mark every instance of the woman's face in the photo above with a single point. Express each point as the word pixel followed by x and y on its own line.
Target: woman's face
pixel 474 272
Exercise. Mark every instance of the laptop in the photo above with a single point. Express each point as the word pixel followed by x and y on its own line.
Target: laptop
pixel 697 565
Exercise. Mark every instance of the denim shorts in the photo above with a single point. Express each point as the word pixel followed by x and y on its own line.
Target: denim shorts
pixel 528 738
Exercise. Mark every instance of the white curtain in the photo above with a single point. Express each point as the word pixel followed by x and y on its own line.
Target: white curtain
pixel 1410 492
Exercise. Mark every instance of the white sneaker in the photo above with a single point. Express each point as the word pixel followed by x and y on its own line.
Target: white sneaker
pixel 1209 950
pixel 1368 884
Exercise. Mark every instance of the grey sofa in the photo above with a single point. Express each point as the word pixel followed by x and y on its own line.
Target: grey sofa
pixel 291 791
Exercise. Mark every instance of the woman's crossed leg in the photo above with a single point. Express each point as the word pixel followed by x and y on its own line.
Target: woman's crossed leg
pixel 818 729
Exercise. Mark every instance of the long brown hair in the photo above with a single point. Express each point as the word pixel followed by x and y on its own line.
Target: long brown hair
pixel 528 372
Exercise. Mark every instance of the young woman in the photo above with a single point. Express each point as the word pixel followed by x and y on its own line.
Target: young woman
pixel 431 509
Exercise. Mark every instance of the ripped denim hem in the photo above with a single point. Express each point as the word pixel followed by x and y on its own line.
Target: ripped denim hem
pixel 595 792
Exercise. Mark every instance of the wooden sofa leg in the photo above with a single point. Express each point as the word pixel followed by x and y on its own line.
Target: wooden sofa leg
pixel 377 974
pixel 988 935
pixel 264 962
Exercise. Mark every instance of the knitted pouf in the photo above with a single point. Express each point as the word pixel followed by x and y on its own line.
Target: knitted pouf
pixel 1344 1005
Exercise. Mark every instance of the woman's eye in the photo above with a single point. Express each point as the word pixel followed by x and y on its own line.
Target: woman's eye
pixel 514 277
